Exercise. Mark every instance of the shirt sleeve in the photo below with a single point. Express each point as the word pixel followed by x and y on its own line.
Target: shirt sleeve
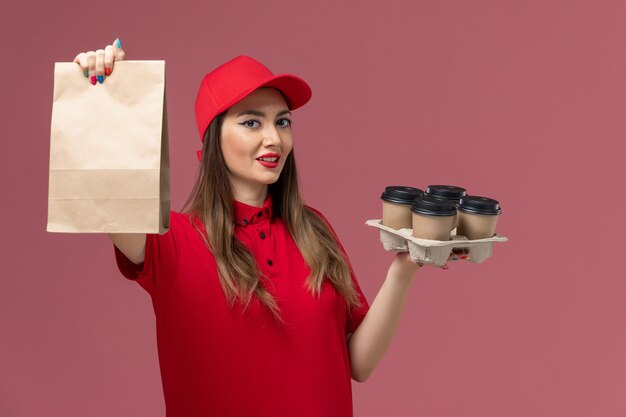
pixel 354 316
pixel 161 259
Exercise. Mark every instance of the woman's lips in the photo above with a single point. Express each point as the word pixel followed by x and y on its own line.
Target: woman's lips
pixel 267 164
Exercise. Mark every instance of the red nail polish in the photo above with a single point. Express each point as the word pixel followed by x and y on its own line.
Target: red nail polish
pixel 94 80
pixel 107 71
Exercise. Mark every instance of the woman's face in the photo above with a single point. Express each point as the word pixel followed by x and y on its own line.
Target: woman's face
pixel 258 125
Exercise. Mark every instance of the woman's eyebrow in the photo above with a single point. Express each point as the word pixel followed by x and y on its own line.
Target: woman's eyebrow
pixel 261 114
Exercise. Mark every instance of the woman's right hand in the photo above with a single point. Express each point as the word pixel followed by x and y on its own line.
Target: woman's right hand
pixel 96 65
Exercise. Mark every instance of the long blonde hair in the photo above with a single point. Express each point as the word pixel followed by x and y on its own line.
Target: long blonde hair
pixel 211 202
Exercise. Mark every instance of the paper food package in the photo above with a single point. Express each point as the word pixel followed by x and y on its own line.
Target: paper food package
pixel 109 156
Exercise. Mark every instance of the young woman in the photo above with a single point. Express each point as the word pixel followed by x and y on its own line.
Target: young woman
pixel 258 310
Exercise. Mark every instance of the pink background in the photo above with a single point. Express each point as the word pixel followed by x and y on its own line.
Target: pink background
pixel 520 101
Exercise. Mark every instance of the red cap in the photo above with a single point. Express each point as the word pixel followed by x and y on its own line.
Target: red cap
pixel 234 80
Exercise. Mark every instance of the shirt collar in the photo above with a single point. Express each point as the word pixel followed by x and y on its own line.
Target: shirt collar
pixel 246 214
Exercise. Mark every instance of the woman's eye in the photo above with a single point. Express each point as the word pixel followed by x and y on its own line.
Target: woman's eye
pixel 286 123
pixel 249 123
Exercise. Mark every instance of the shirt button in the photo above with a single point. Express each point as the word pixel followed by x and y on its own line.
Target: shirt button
pixel 245 221
pixel 262 235
pixel 259 214
pixel 269 262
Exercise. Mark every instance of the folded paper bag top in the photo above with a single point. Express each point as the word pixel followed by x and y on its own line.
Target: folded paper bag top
pixel 109 177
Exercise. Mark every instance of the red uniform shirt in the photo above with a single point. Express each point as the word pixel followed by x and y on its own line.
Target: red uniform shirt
pixel 220 361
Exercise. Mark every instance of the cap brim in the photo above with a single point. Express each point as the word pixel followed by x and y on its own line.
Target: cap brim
pixel 296 90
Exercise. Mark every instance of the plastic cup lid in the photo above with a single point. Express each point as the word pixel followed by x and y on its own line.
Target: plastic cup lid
pixel 479 205
pixel 450 192
pixel 400 194
pixel 433 206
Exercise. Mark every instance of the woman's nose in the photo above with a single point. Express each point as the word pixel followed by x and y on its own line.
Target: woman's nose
pixel 271 136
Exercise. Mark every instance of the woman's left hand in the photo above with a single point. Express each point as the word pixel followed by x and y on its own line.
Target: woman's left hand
pixel 403 265
pixel 458 254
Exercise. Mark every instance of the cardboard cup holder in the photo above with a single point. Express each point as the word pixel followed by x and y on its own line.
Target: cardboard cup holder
pixel 434 252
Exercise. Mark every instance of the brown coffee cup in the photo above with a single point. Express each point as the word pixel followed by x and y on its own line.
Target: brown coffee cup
pixel 433 218
pixel 448 192
pixel 477 217
pixel 397 202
